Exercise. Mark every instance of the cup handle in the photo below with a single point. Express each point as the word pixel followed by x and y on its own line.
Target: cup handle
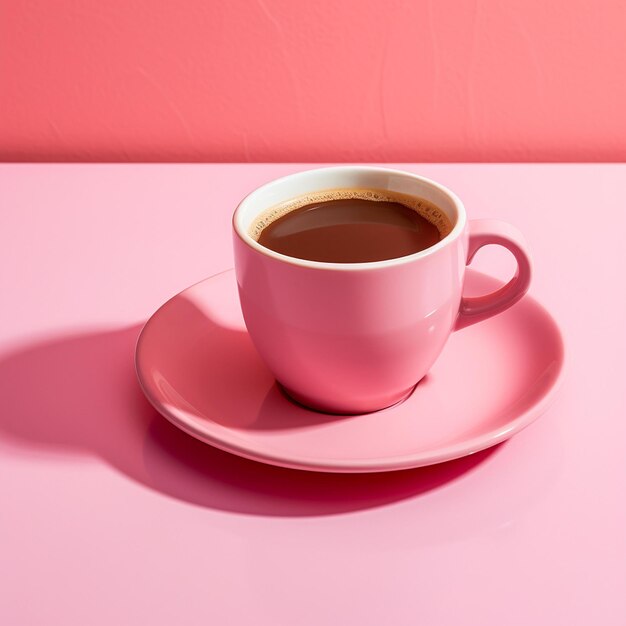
pixel 483 233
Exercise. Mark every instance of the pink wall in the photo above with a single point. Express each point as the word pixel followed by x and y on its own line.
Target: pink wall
pixel 311 80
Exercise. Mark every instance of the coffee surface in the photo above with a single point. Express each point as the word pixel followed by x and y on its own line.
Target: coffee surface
pixel 352 230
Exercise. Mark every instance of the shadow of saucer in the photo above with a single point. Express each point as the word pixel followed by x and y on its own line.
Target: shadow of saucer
pixel 182 466
pixel 78 395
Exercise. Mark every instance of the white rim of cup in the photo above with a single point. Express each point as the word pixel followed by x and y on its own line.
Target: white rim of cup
pixel 456 231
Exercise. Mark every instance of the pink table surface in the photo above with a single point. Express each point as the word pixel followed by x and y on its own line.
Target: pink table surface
pixel 109 515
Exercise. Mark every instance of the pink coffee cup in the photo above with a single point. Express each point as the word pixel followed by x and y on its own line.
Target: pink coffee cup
pixel 358 337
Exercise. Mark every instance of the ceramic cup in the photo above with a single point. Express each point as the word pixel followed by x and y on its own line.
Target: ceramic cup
pixel 357 337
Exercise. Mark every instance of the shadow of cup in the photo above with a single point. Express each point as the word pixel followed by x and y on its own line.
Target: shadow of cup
pixel 78 394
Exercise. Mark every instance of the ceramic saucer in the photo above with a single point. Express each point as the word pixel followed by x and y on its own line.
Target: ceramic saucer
pixel 197 366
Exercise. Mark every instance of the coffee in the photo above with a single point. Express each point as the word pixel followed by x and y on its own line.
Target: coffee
pixel 351 226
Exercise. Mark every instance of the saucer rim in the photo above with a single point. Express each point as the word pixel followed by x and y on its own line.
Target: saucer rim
pixel 369 465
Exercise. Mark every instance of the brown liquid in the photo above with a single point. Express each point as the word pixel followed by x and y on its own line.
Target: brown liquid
pixel 353 229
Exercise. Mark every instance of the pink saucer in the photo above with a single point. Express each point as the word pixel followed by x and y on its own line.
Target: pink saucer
pixel 197 366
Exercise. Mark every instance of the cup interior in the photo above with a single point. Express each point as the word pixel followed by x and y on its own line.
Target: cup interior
pixel 342 177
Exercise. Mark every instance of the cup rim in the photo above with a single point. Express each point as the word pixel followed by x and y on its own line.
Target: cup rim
pixel 452 236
